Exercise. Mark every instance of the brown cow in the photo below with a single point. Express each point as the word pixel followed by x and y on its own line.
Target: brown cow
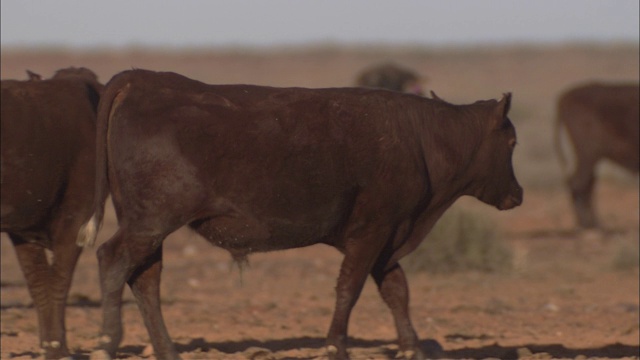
pixel 48 181
pixel 391 77
pixel 254 168
pixel 603 123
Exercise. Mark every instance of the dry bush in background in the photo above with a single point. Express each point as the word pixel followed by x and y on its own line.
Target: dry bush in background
pixel 462 240
pixel 627 254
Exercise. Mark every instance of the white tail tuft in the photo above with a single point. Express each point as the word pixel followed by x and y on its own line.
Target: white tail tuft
pixel 88 233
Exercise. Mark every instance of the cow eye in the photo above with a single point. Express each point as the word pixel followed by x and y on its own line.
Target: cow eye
pixel 512 143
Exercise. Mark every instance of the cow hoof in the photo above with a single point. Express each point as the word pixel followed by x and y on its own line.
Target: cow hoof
pixel 414 354
pixel 147 351
pixel 408 355
pixel 100 355
pixel 53 350
pixel 334 354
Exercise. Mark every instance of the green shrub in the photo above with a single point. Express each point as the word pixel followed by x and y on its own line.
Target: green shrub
pixel 461 240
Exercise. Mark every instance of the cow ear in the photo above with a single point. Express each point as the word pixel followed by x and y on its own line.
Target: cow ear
pixel 504 105
pixel 502 109
pixel 435 97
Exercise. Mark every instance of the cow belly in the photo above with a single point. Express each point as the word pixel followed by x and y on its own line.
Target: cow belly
pixel 242 234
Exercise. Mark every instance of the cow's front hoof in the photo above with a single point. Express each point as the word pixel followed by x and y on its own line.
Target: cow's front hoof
pixel 106 348
pixel 55 350
pixel 415 354
pixel 100 355
pixel 333 353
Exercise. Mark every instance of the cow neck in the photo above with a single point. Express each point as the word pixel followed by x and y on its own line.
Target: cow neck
pixel 451 137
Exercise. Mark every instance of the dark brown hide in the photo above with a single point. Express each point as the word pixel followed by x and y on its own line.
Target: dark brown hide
pixel 603 123
pixel 390 77
pixel 254 168
pixel 48 182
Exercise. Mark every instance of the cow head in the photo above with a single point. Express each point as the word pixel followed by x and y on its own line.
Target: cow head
pixel 495 182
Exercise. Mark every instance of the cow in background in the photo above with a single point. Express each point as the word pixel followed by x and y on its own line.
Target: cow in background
pixel 33 76
pixel 391 77
pixel 48 181
pixel 254 168
pixel 602 121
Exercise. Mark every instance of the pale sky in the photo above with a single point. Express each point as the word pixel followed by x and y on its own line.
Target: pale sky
pixel 202 23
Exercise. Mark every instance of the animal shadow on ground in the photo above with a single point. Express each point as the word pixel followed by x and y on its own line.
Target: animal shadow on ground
pixel 79 301
pixel 555 351
pixel 429 346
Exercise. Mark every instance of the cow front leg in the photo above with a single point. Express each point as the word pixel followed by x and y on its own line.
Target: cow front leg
pixel 392 284
pixel 360 254
pixel 37 272
pixel 145 285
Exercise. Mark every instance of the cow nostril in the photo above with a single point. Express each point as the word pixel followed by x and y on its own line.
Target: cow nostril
pixel 518 200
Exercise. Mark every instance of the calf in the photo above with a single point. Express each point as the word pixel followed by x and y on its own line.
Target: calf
pixel 48 181
pixel 254 168
pixel 603 123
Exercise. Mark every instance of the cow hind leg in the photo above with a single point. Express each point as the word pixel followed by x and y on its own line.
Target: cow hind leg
pixel 38 274
pixel 65 258
pixel 581 184
pixel 145 285
pixel 394 290
pixel 126 257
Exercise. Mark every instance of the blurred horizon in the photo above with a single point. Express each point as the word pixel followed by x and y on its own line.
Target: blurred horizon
pixel 244 24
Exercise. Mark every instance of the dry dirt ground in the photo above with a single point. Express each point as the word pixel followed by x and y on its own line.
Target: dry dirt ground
pixel 570 294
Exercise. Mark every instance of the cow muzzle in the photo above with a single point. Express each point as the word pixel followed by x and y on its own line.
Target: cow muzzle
pixel 513 199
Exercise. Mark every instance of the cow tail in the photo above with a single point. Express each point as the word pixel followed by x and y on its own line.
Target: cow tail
pixel 89 230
